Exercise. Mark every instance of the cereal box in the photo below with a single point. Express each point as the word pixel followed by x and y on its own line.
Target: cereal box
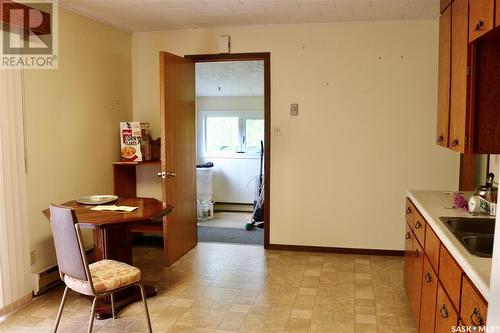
pixel 130 138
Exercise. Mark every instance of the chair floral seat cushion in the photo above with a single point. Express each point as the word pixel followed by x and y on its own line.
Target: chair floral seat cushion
pixel 107 275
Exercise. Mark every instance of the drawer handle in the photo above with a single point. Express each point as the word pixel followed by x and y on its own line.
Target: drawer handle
pixel 476 314
pixel 444 311
pixel 418 225
pixel 454 142
pixel 408 210
pixel 479 26
pixel 428 277
pixel 440 138
pixel 416 253
pixel 407 236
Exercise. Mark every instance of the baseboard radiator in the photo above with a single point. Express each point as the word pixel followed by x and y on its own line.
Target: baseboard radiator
pixel 49 278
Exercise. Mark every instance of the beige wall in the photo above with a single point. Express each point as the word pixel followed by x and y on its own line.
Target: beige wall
pixel 365 133
pixel 72 117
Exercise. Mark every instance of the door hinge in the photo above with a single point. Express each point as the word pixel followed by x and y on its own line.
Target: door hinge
pixel 468 70
pixel 466 140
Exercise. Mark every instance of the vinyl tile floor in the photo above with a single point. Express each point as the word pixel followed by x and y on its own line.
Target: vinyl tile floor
pixel 244 288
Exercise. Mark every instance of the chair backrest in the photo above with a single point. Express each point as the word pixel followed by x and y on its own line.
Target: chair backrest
pixel 67 242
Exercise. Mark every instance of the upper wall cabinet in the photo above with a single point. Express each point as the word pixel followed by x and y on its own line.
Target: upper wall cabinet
pixel 444 72
pixel 468 120
pixel 481 18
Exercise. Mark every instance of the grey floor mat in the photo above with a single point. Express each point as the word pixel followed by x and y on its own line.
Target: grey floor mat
pixel 230 235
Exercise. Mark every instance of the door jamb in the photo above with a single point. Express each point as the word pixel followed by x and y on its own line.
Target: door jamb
pixel 266 57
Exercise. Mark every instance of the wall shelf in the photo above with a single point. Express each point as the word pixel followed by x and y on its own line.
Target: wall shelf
pixel 125 185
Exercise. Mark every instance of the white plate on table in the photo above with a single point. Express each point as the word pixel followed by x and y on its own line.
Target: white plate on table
pixel 96 199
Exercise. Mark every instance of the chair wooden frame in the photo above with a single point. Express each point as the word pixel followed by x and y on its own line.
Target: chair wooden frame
pixel 93 293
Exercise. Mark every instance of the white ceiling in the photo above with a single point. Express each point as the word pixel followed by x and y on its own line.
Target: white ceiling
pixel 234 78
pixel 151 15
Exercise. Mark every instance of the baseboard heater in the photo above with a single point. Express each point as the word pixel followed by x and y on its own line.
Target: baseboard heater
pixel 49 278
pixel 233 207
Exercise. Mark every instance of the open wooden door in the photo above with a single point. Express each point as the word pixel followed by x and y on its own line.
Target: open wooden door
pixel 178 154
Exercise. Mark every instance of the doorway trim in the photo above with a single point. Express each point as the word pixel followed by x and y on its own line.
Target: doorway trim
pixel 266 57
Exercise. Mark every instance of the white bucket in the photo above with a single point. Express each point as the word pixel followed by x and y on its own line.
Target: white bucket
pixel 204 183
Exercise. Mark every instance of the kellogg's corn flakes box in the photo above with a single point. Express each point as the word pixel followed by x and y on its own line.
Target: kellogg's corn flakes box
pixel 130 139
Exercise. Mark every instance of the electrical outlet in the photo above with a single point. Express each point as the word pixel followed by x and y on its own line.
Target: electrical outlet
pixel 33 257
pixel 276 130
pixel 294 109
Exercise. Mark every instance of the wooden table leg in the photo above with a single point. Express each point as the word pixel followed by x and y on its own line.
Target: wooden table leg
pixel 116 243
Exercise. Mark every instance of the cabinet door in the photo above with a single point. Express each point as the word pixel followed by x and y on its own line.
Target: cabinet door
pixel 443 4
pixel 408 260
pixel 481 17
pixel 446 316
pixel 416 280
pixel 473 309
pixel 428 302
pixel 450 275
pixel 459 75
pixel 497 15
pixel 444 78
pixel 432 246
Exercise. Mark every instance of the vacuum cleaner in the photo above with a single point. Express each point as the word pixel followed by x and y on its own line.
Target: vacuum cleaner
pixel 257 219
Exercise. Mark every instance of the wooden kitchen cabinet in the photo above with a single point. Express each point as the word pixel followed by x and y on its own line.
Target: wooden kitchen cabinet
pixel 459 76
pixel 437 288
pixel 408 260
pixel 473 309
pixel 497 14
pixel 415 282
pixel 450 275
pixel 418 227
pixel 432 247
pixel 444 74
pixel 481 18
pixel 446 315
pixel 410 212
pixel 428 299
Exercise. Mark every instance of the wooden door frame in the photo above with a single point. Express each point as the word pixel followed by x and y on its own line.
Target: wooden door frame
pixel 266 58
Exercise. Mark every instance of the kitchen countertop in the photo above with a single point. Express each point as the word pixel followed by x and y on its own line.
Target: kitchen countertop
pixel 435 204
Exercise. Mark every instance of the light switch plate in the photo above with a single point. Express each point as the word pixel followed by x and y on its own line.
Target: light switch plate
pixel 294 109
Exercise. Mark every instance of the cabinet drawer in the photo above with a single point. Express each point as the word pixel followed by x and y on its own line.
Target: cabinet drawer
pixel 473 309
pixel 432 244
pixel 446 316
pixel 408 259
pixel 410 212
pixel 481 17
pixel 418 227
pixel 428 301
pixel 450 275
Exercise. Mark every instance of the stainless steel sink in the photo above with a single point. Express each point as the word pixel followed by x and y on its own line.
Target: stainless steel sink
pixel 472 224
pixel 481 246
pixel 475 233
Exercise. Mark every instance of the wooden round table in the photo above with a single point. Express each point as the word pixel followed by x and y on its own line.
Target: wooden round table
pixel 113 239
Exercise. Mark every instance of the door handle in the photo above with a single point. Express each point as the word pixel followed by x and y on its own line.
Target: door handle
pixel 161 174
pixel 170 174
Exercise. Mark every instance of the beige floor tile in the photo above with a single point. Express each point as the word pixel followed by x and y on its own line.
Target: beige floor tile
pixel 238 288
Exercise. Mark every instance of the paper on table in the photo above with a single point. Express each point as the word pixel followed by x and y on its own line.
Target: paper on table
pixel 114 208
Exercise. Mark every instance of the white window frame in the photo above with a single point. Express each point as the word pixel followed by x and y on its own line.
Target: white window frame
pixel 243 116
